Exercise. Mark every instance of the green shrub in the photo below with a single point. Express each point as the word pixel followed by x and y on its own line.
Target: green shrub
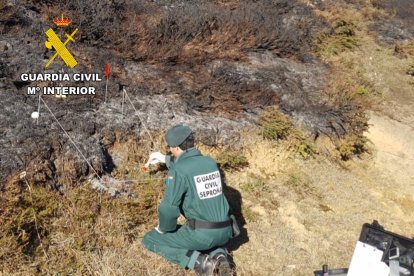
pixel 343 38
pixel 306 149
pixel 254 187
pixel 275 125
pixel 228 161
pixel 301 185
pixel 363 91
pixel 353 146
pixel 345 28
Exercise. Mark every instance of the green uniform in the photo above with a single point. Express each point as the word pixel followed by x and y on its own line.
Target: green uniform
pixel 193 189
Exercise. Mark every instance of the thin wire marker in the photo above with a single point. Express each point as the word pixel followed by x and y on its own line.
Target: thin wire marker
pixel 73 142
pixel 141 181
pixel 139 117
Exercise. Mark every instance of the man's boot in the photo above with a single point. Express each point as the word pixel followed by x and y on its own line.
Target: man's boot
pixel 204 266
pixel 221 265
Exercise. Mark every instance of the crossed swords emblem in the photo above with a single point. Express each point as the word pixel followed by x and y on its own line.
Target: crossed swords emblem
pixel 60 47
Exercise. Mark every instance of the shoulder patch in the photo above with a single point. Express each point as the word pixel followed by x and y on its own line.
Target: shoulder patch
pixel 169 180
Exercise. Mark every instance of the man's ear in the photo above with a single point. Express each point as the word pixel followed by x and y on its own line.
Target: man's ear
pixel 178 150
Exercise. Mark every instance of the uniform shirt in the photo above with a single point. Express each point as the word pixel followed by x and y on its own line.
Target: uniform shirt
pixel 193 188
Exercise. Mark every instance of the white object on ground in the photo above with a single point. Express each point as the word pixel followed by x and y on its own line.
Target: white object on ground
pixel 154 158
pixel 35 115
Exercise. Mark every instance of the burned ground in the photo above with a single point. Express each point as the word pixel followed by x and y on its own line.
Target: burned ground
pixel 397 27
pixel 232 61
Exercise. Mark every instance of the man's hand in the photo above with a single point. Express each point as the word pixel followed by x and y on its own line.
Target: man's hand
pixel 158 230
pixel 156 157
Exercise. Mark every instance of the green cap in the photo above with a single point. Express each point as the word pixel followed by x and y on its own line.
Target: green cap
pixel 176 135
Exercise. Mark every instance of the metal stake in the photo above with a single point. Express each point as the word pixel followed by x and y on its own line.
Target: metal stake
pixel 38 109
pixel 123 100
pixel 106 88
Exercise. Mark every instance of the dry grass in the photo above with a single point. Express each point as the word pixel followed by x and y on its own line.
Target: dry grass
pixel 75 230
pixel 299 215
pixel 404 50
pixel 302 214
pixel 83 231
pixel 367 72
pixel 375 78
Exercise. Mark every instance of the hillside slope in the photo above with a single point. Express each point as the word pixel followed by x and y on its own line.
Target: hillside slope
pixel 307 106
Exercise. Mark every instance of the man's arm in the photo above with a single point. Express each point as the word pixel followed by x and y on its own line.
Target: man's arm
pixel 169 160
pixel 169 209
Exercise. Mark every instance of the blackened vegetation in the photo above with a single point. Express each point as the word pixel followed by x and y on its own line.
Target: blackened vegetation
pixel 216 62
pixel 232 91
pixel 403 9
pixel 98 20
pixel 193 31
pixel 399 26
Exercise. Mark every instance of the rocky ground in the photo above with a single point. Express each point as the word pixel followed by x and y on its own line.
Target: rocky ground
pixel 217 66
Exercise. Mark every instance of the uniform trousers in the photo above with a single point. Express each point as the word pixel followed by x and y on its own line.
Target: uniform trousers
pixel 183 246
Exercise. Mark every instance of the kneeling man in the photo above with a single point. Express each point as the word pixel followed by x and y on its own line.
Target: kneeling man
pixel 193 189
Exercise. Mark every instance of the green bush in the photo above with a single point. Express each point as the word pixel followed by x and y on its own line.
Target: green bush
pixel 275 125
pixel 301 185
pixel 345 28
pixel 353 146
pixel 306 149
pixel 254 187
pixel 343 38
pixel 228 161
pixel 363 91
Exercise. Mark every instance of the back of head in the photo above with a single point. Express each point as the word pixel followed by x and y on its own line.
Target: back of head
pixel 180 136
